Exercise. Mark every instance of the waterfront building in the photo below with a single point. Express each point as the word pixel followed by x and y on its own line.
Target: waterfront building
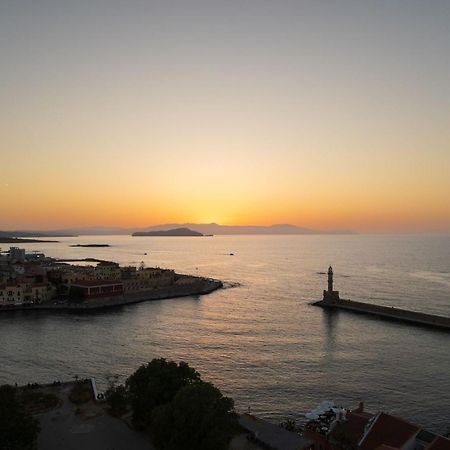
pixel 21 291
pixel 146 278
pixel 107 270
pixel 18 267
pixel 16 254
pixel 73 274
pixel 93 289
pixel 12 293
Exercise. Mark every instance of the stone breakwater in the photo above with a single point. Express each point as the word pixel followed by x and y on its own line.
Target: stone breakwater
pixel 387 312
pixel 195 286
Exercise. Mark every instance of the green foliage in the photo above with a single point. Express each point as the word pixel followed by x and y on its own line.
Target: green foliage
pixel 199 418
pixel 155 384
pixel 116 396
pixel 18 429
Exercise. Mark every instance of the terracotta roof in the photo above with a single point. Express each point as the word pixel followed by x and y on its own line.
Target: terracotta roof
pixel 385 447
pixel 388 430
pixel 440 443
pixel 353 427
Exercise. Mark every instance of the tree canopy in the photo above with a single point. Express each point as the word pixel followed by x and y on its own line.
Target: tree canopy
pixel 18 429
pixel 155 384
pixel 198 418
pixel 179 409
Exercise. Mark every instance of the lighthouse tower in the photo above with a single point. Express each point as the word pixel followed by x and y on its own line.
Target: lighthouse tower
pixel 330 279
pixel 329 295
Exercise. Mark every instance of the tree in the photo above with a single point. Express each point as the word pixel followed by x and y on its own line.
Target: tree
pixel 198 418
pixel 18 429
pixel 116 396
pixel 155 384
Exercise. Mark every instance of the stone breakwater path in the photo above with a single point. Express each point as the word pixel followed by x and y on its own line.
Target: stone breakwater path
pixel 387 312
pixel 198 286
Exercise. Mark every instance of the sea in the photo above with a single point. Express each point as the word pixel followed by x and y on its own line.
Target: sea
pixel 259 339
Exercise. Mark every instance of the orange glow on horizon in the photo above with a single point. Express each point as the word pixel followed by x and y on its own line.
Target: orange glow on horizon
pixel 109 123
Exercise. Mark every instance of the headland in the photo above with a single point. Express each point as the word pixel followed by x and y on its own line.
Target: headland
pixel 331 300
pixel 40 283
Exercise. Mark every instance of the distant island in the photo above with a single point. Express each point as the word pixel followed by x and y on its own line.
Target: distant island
pixel 173 232
pixel 90 245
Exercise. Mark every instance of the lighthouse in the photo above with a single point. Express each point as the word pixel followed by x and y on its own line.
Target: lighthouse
pixel 329 295
pixel 330 279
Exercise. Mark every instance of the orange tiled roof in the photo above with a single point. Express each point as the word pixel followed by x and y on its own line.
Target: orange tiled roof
pixel 390 431
pixel 439 443
pixel 353 427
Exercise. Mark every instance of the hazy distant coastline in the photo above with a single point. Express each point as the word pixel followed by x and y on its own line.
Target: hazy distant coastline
pixel 203 228
pixel 13 240
pixel 34 234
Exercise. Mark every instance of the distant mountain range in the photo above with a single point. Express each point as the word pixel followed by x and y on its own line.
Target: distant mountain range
pixel 204 228
pixel 214 228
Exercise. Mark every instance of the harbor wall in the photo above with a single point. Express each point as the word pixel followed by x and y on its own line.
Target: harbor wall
pixel 388 312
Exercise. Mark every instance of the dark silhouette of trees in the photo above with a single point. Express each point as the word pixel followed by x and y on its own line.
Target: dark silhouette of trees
pixel 178 409
pixel 155 384
pixel 198 418
pixel 116 396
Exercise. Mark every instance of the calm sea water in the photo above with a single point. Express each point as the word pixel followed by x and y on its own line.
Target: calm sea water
pixel 260 341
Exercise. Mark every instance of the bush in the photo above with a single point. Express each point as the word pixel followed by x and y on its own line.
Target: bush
pixel 18 429
pixel 116 396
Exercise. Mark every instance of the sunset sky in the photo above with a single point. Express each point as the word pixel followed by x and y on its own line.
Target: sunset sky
pixel 130 113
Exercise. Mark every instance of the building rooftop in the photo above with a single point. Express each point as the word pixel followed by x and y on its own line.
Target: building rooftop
pixel 93 283
pixel 440 443
pixel 352 427
pixel 388 430
pixel 273 436
pixel 426 436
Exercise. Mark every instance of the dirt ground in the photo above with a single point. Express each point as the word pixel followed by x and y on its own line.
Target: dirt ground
pixel 86 427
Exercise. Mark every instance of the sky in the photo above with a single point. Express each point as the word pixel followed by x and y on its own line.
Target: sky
pixel 324 114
